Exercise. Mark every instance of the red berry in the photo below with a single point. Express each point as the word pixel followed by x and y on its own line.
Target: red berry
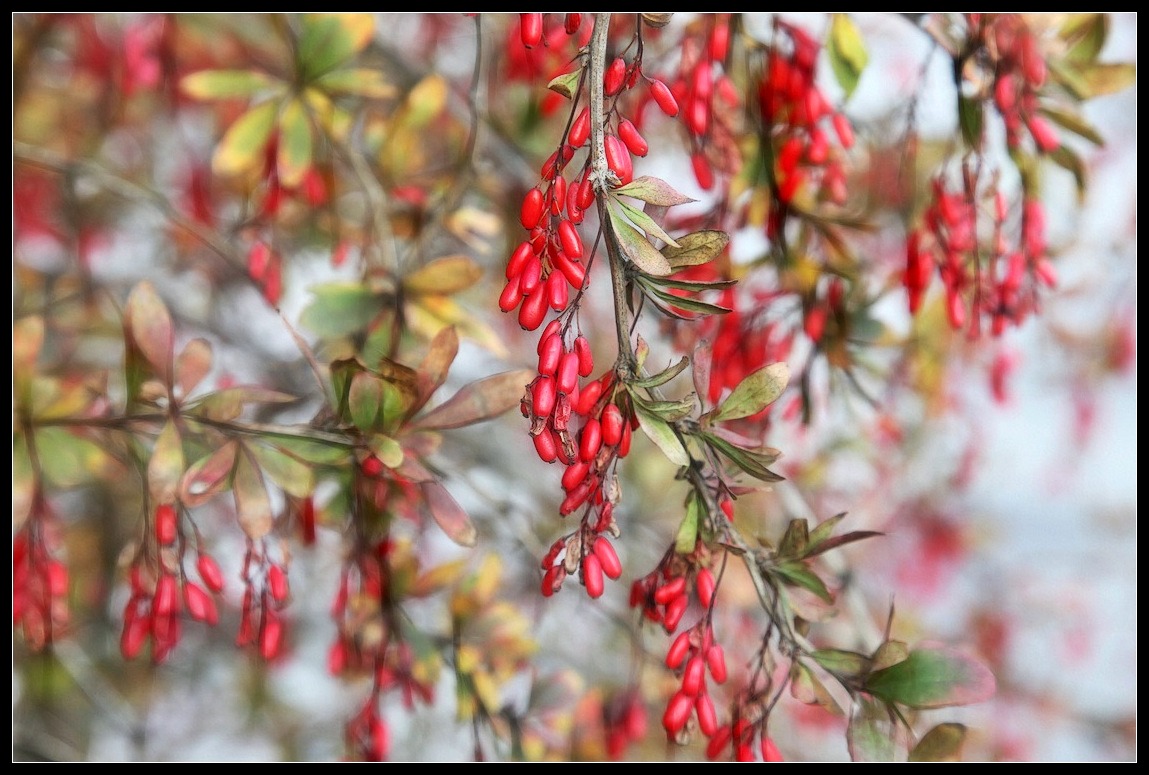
pixel 612 423
pixel 546 446
pixel 568 373
pixel 210 573
pixel 707 717
pixel 592 575
pixel 166 523
pixel 552 352
pixel 569 237
pixel 716 661
pixel 534 309
pixel 200 604
pixel 585 357
pixel 518 260
pixel 372 466
pixel 511 295
pixel 666 102
pixel 532 210
pixel 590 440
pixel 270 635
pixel 543 396
pixel 704 585
pixel 613 78
pixel 702 171
pixel 277 583
pixel 677 651
pixel 635 143
pixel 580 129
pixel 531 29
pixel 611 565
pixel 677 713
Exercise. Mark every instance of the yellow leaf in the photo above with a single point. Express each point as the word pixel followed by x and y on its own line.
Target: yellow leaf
pixel 445 275
pixel 242 146
pixel 425 101
pixel 294 152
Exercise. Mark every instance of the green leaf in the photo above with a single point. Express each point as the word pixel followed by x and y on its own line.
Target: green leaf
pixel 364 397
pixel 1064 157
pixel 566 84
pixel 696 248
pixel 327 40
pixel 1084 34
pixel 208 475
pixel 67 460
pixel 695 286
pixel 636 247
pixel 340 308
pixel 686 538
pixel 847 52
pixel 800 576
pixel 358 82
pixel 795 540
pixel 1074 123
pixel 943 743
pixel 293 477
pixel 252 506
pixel 448 514
pixel 655 191
pixel 23 481
pixel 825 529
pixel 242 147
pixel 151 328
pixel 836 541
pixel 227 84
pixel 643 221
pixel 662 377
pixel 670 411
pixel 480 400
pixel 754 393
pixel 751 462
pixel 387 449
pixel 1101 78
pixel 662 435
pixel 668 302
pixel 933 677
pixel 872 735
pixel 971 117
pixel 293 155
pixel 841 662
pixel 166 466
pixel 315 452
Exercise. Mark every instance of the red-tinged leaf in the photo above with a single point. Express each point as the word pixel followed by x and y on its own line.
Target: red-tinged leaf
pixel 227 404
pixel 806 688
pixel 432 372
pixel 698 247
pixel 252 506
pixel 387 449
pixel 836 541
pixel 227 84
pixel 445 275
pixel 292 476
pixel 933 676
pixel 701 361
pixel 653 191
pixel 636 247
pixel 193 364
pixel 448 514
pixel 754 393
pixel 943 743
pixel 481 400
pixel 166 466
pixel 208 475
pixel 413 470
pixel 242 146
pixel 293 153
pixel 151 327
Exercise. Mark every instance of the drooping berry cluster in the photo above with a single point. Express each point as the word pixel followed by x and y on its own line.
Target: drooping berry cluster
pixel 39 579
pixel 1018 75
pixel 983 277
pixel 265 594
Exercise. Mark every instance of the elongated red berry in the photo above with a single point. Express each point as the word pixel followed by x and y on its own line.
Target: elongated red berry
pixel 511 295
pixel 572 270
pixel 612 423
pixel 634 142
pixel 518 260
pixel 707 717
pixel 611 565
pixel 166 523
pixel 165 600
pixel 531 275
pixel 574 475
pixel 618 159
pixel 534 309
pixel 531 29
pixel 568 372
pixel 677 651
pixel 661 94
pixel 592 575
pixel 580 129
pixel 210 573
pixel 557 294
pixel 704 585
pixel 677 713
pixel 590 440
pixel 571 241
pixel 277 583
pixel 543 395
pixel 200 604
pixel 551 328
pixel 270 635
pixel 585 356
pixel 546 446
pixel 716 661
pixel 702 171
pixel 550 356
pixel 670 590
pixel 674 612
pixel 614 76
pixel 694 677
pixel 532 210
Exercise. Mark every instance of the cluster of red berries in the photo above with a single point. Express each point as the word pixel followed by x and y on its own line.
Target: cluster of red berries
pixel 1002 287
pixel 153 607
pixel 265 594
pixel 623 721
pixel 695 653
pixel 39 581
pixel 796 111
pixel 1019 73
pixel 542 47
